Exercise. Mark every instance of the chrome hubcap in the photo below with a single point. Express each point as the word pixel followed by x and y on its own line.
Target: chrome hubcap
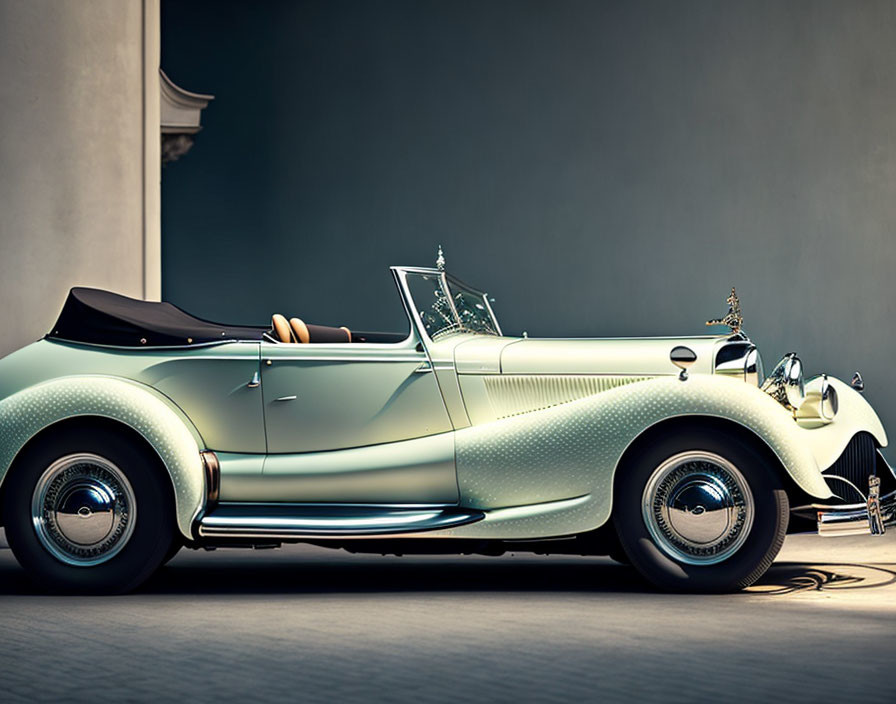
pixel 83 509
pixel 698 508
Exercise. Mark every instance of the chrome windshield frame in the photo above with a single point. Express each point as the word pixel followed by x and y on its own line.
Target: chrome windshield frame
pixel 401 279
pixel 482 294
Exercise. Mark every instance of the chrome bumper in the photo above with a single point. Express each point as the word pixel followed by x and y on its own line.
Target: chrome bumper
pixel 870 518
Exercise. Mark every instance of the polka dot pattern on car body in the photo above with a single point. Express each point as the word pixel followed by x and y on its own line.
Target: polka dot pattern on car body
pixel 29 411
pixel 538 461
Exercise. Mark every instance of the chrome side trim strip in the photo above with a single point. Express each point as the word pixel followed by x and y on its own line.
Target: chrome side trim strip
pixel 322 521
pixel 345 358
pixel 294 507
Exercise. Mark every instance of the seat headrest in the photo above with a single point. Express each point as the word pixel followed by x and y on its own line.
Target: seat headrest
pixel 281 328
pixel 300 330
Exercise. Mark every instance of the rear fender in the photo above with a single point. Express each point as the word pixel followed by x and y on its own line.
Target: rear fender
pixel 155 417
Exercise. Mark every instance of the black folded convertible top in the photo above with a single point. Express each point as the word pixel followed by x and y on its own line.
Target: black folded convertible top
pixel 105 318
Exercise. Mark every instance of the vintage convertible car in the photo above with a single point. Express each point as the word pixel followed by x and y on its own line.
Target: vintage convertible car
pixel 133 429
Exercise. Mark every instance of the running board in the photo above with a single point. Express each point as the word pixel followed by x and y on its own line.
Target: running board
pixel 285 521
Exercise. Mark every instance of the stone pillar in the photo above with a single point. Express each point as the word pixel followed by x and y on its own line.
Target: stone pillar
pixel 79 147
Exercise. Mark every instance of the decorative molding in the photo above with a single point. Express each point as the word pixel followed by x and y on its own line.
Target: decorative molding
pixel 181 113
pixel 174 146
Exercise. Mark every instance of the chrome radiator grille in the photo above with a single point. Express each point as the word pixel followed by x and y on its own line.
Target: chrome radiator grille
pixel 858 460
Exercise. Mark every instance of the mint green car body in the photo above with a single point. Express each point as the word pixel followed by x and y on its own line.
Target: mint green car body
pixel 529 432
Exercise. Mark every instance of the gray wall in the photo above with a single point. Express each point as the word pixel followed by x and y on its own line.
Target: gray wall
pixel 75 198
pixel 604 168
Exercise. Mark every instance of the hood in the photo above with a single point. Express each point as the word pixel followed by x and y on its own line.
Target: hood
pixel 642 356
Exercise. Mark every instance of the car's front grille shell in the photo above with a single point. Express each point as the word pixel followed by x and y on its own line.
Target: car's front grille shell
pixel 858 460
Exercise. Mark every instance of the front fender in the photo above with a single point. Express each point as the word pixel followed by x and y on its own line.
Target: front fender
pixel 158 420
pixel 855 414
pixel 574 449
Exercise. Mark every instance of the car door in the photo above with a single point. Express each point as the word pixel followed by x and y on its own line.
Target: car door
pixel 355 422
pixel 217 387
pixel 335 396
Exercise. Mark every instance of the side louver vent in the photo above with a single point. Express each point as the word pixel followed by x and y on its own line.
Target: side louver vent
pixel 513 395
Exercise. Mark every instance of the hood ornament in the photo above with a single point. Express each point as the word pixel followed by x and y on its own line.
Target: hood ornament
pixel 440 260
pixel 733 319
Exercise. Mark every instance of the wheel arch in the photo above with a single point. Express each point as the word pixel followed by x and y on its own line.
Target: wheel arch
pixel 502 464
pixel 130 407
pixel 91 422
pixel 713 424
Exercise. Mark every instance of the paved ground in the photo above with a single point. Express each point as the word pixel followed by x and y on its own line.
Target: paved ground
pixel 304 624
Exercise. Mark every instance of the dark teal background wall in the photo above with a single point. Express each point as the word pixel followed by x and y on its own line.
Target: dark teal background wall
pixel 604 168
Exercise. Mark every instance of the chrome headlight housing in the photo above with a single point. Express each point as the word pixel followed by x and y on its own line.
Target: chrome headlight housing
pixel 740 358
pixel 753 372
pixel 785 382
pixel 821 403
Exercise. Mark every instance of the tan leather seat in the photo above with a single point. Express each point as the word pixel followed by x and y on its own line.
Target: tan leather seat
pixel 300 330
pixel 317 333
pixel 295 330
pixel 281 328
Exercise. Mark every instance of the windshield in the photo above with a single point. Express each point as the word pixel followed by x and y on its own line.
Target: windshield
pixel 446 306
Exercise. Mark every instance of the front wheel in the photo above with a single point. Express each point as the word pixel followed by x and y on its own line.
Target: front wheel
pixel 87 511
pixel 700 510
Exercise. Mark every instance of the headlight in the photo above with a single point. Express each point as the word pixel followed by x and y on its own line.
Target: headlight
pixel 821 403
pixel 739 358
pixel 753 372
pixel 785 382
pixel 829 401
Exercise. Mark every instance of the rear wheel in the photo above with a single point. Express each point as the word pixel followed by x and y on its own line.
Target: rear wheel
pixel 87 511
pixel 699 510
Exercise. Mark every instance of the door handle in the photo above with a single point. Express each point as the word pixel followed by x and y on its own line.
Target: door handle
pixel 255 381
pixel 424 367
pixel 286 398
